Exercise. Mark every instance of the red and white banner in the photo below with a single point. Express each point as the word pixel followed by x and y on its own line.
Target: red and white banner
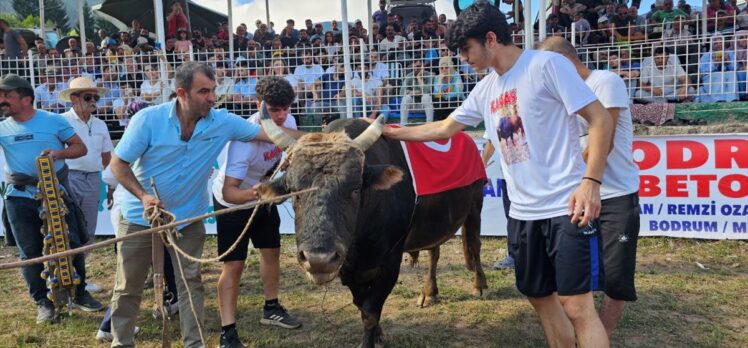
pixel 691 186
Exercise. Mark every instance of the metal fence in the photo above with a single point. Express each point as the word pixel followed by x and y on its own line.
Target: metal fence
pixel 409 80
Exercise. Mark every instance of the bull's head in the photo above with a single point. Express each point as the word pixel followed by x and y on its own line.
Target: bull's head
pixel 326 218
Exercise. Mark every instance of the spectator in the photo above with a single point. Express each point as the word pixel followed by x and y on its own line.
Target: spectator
pixel 309 25
pixel 360 31
pixel 716 11
pixel 742 19
pixel 378 69
pixel 369 90
pixel 741 56
pixel 416 91
pixel 667 14
pixel 73 50
pixel 391 20
pixel 153 90
pixel 145 38
pixel 124 40
pixel 175 20
pixel 224 86
pixel 309 75
pixel 271 29
pixel 335 31
pixel 278 68
pixel 448 86
pixel 262 36
pixel 718 77
pixel 604 34
pixel 183 42
pixel 392 43
pixel 133 33
pixel 568 9
pixel 47 93
pixel 241 39
pixel 427 32
pixel 111 102
pixel 318 33
pixel 198 41
pixel 243 96
pixel 103 39
pixel 625 26
pixel 303 42
pixel 621 64
pixel 331 45
pixel 685 7
pixel 380 16
pixel 91 65
pixel 289 29
pixel 552 27
pixel 333 91
pixel 582 28
pixel 640 21
pixel 664 80
pixel 678 32
pixel 222 36
pixel 131 74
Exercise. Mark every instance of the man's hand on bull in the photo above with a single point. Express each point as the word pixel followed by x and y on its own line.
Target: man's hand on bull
pixel 584 205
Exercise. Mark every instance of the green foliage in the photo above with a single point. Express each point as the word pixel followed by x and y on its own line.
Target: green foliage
pixel 26 8
pixel 54 10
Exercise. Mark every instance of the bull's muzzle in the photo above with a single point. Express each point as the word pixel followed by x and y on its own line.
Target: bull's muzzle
pixel 321 266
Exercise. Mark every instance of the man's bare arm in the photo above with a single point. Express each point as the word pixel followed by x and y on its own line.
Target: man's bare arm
pixel 438 130
pixel 126 178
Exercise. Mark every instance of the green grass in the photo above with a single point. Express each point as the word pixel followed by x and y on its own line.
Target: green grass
pixel 680 304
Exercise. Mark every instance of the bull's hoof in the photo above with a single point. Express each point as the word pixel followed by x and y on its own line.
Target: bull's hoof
pixel 427 300
pixel 478 292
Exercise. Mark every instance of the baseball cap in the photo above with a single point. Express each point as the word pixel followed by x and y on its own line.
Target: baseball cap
pixel 13 81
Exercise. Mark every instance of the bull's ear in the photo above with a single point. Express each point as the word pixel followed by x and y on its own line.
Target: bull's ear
pixel 273 189
pixel 382 177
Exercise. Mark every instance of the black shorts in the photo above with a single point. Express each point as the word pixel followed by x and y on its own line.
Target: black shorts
pixel 554 255
pixel 619 228
pixel 264 231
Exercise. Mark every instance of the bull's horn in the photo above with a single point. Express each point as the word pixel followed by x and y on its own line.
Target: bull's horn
pixel 369 136
pixel 275 133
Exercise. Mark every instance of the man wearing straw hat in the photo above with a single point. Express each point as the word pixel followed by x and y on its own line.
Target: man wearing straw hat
pixel 85 182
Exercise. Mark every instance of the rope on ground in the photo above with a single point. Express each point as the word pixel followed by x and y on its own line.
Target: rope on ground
pixel 24 263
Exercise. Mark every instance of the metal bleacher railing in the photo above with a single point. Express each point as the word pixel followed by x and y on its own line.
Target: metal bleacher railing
pixel 408 80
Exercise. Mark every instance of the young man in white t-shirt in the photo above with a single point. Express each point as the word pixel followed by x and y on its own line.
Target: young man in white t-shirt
pixel 619 215
pixel 247 165
pixel 528 104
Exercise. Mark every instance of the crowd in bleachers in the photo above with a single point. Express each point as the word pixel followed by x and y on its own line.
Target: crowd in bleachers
pixel 664 55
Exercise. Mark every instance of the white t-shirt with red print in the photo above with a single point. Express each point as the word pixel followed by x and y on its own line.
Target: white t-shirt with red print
pixel 530 113
pixel 248 161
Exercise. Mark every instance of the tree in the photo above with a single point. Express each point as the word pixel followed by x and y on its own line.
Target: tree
pixel 54 10
pixel 26 8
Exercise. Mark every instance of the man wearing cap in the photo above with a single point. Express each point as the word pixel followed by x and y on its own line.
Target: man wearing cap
pixel 85 182
pixel 25 134
pixel 318 33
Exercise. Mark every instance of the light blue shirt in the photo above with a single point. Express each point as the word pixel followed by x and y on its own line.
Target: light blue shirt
pixel 246 87
pixel 181 169
pixel 22 142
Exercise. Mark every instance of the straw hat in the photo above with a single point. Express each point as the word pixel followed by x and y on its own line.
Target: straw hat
pixel 80 84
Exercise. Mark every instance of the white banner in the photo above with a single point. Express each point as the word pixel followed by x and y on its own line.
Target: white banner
pixel 691 186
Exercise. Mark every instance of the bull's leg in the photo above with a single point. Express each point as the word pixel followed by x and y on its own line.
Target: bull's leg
pixel 430 291
pixel 414 258
pixel 471 249
pixel 370 299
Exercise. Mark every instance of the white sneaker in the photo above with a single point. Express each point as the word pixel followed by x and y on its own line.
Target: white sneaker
pixel 91 287
pixel 104 336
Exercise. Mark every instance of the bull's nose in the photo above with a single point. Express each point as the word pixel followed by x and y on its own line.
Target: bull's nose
pixel 320 262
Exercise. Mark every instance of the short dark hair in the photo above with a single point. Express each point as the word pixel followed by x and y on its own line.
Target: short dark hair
pixel 275 91
pixel 186 73
pixel 475 22
pixel 24 92
pixel 660 50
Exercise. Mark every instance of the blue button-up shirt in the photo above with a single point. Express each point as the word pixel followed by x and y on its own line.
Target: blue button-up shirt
pixel 181 169
pixel 22 142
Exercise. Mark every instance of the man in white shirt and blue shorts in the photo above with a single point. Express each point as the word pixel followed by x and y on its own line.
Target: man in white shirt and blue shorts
pixel 529 105
pixel 619 215
pixel 247 165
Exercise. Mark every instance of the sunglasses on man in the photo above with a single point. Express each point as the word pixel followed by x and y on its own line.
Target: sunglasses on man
pixel 89 97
